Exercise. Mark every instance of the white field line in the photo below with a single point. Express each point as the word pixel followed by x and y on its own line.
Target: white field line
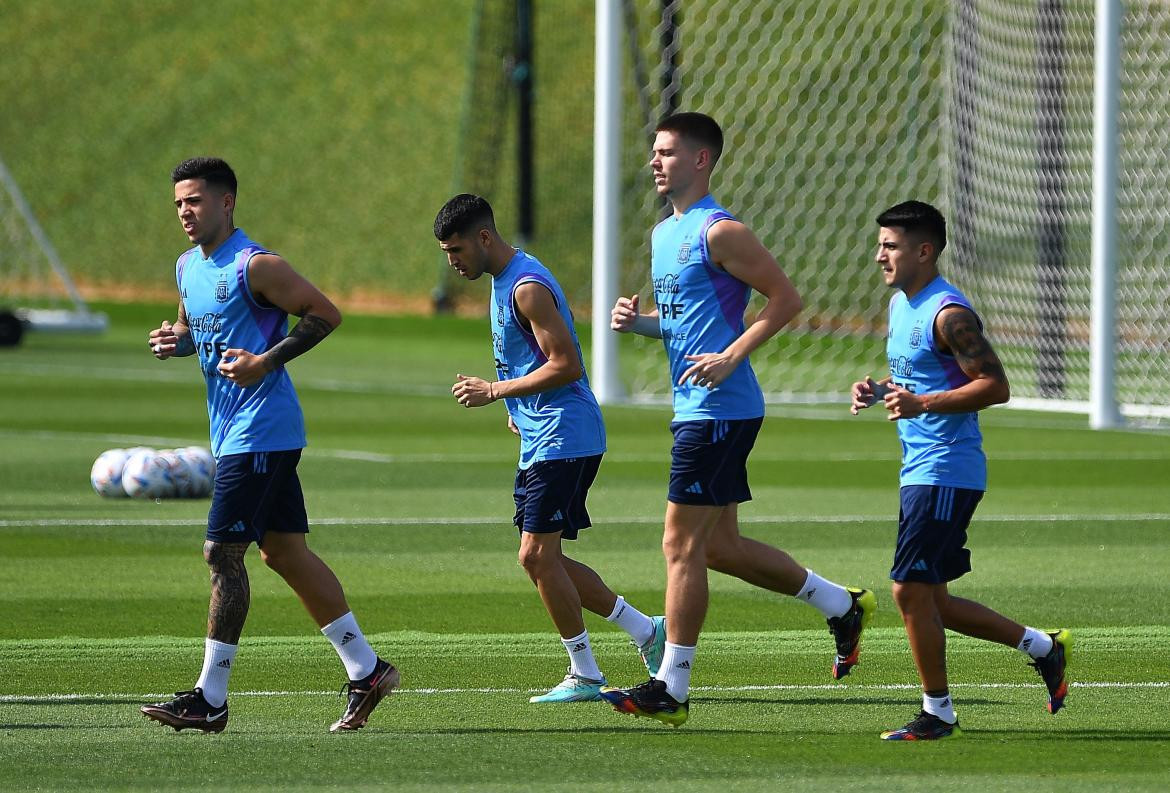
pixel 1144 517
pixel 36 699
pixel 505 456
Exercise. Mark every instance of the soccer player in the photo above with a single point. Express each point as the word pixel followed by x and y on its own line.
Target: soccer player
pixel 942 372
pixel 234 302
pixel 705 264
pixel 542 380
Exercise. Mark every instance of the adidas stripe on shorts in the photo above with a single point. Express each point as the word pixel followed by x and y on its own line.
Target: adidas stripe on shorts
pixel 550 495
pixel 932 530
pixel 708 464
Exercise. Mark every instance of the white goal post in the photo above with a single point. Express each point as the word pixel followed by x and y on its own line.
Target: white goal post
pixel 1040 127
pixel 34 282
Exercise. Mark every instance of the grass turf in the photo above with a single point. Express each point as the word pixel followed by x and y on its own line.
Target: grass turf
pixel 105 600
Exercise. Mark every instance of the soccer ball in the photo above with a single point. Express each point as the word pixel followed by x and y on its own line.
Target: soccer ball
pixel 178 473
pixel 106 473
pixel 145 475
pixel 200 469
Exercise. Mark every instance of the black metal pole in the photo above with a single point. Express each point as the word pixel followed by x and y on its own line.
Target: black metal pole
pixel 526 220
pixel 1051 314
pixel 965 91
pixel 671 86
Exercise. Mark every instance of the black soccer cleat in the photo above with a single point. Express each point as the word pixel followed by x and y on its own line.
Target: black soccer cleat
pixel 924 727
pixel 364 696
pixel 847 630
pixel 1051 668
pixel 189 711
pixel 648 699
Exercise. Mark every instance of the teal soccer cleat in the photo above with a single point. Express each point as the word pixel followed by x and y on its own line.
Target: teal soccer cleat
pixel 572 689
pixel 655 647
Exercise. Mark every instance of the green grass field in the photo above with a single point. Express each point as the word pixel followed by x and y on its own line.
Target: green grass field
pixel 104 601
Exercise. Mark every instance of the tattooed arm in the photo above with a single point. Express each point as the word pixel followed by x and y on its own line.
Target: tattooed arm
pixel 230 593
pixel 274 280
pixel 956 331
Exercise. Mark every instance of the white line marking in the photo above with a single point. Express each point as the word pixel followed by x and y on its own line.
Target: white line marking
pixel 502 456
pixel 35 699
pixel 1137 517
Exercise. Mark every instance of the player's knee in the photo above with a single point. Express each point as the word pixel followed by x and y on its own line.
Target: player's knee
pixel 911 596
pixel 212 553
pixel 274 559
pixel 535 557
pixel 681 547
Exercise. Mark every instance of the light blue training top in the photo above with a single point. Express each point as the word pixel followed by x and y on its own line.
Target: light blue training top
pixel 557 424
pixel 223 314
pixel 937 448
pixel 700 310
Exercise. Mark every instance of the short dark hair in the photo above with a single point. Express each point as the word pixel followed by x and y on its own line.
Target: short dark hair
pixel 918 218
pixel 698 129
pixel 212 170
pixel 465 213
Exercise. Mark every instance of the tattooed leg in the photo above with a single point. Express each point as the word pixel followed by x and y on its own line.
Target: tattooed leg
pixel 230 594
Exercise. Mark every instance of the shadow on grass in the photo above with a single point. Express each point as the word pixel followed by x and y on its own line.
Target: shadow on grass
pixel 83 701
pixel 647 726
pixel 1152 736
pixel 872 700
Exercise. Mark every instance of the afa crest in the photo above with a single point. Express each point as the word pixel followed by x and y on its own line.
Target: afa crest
pixel 221 291
pixel 916 337
pixel 684 252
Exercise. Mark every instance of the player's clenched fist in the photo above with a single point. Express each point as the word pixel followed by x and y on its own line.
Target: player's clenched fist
pixel 163 341
pixel 625 314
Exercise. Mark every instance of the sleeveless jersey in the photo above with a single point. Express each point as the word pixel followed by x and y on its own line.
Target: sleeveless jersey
pixel 700 310
pixel 937 448
pixel 558 424
pixel 223 314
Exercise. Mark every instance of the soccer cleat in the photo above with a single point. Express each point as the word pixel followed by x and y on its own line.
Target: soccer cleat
pixel 572 689
pixel 648 699
pixel 364 696
pixel 847 630
pixel 188 711
pixel 1051 668
pixel 924 727
pixel 655 647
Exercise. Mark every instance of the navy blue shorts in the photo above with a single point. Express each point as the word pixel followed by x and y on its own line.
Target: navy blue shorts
pixel 550 495
pixel 932 530
pixel 254 493
pixel 708 464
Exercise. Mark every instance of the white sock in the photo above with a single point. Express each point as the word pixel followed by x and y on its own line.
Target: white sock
pixel 581 660
pixel 1035 643
pixel 357 655
pixel 217 668
pixel 676 670
pixel 832 600
pixel 629 619
pixel 940 706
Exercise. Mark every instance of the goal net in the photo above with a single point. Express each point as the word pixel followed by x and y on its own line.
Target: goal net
pixel 834 110
pixel 34 284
